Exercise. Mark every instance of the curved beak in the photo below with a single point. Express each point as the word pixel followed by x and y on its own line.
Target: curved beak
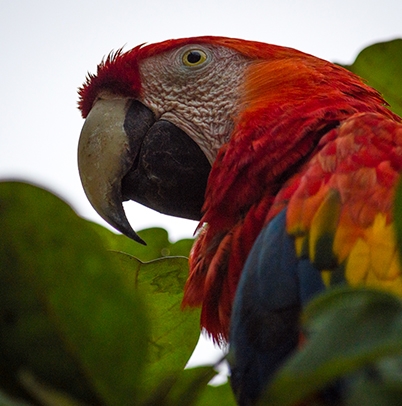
pixel 124 153
pixel 104 157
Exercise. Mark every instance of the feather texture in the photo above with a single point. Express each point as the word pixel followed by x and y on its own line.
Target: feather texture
pixel 341 212
pixel 274 286
pixel 336 227
pixel 292 106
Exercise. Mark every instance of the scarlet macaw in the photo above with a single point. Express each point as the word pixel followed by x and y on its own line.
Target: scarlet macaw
pixel 289 162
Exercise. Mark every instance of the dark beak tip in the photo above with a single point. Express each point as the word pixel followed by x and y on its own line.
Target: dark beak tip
pixel 138 239
pixel 127 230
pixel 116 217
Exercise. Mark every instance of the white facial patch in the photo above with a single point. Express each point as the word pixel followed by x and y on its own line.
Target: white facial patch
pixel 201 100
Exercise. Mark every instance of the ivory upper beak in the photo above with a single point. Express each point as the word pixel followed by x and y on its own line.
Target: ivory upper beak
pixel 104 158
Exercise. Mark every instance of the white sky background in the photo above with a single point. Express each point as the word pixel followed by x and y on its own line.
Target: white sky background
pixel 47 47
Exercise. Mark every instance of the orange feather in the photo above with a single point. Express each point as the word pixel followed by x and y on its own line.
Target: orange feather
pixel 284 145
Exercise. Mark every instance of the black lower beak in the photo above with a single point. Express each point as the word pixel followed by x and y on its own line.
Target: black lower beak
pixel 170 171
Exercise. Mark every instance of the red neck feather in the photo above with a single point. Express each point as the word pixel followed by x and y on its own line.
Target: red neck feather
pixel 288 104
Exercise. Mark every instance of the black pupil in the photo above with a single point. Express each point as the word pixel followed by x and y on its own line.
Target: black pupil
pixel 193 57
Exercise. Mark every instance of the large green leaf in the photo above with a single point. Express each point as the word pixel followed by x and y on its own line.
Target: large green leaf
pixel 380 385
pixel 347 330
pixel 174 331
pixel 158 244
pixel 7 401
pixel 68 317
pixel 381 65
pixel 183 389
pixel 221 395
pixel 45 395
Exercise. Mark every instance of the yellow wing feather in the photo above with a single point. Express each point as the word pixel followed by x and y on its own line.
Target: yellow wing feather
pixel 341 213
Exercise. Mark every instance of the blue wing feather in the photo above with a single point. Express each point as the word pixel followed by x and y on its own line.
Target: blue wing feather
pixel 274 286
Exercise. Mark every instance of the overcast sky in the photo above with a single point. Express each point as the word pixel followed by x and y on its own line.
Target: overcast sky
pixel 47 47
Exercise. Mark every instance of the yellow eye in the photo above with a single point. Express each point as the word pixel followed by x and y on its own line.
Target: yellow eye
pixel 194 57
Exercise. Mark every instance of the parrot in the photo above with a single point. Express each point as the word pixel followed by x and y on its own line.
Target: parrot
pixel 288 162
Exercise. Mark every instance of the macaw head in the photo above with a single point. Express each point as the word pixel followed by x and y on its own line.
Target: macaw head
pixel 156 117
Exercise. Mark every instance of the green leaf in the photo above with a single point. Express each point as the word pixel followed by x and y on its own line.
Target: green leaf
pixel 191 388
pixel 158 244
pixel 221 395
pixel 191 384
pixel 381 65
pixel 45 395
pixel 175 332
pixel 67 315
pixel 381 385
pixel 6 401
pixel 347 329
pixel 183 388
